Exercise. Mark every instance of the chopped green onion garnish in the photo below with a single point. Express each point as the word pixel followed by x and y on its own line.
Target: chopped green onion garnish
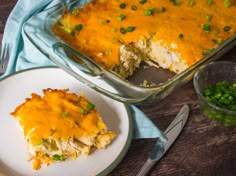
pixel 57 157
pixel 107 51
pixel 176 2
pixel 122 30
pixel 79 27
pixel 130 29
pixel 64 114
pixel 209 2
pixel 227 3
pixel 161 10
pixel 207 27
pixel 191 3
pixel 220 40
pixel 59 23
pixel 75 12
pixel 133 7
pixel 101 23
pixel 216 32
pixel 149 12
pixel 208 51
pixel 122 5
pixel 121 17
pixel 214 40
pixel 181 36
pixel 40 141
pixel 142 1
pixel 222 94
pixel 91 106
pixel 226 28
pixel 83 112
pixel 72 33
pixel 208 17
pixel 69 31
pixel 113 29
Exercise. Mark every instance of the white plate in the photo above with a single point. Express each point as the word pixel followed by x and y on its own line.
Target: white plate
pixel 13 152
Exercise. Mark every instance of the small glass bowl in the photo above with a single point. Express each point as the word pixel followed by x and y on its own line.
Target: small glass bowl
pixel 210 74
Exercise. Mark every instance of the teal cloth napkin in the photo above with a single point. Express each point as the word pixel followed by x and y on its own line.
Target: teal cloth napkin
pixel 24 55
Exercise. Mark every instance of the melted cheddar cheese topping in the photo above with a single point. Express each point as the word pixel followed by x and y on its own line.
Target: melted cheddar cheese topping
pixel 61 125
pixel 189 29
pixel 58 115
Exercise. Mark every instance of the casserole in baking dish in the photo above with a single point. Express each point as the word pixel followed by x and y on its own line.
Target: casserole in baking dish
pixel 106 53
pixel 121 34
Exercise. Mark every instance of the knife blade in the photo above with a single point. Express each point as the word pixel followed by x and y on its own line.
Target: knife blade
pixel 161 147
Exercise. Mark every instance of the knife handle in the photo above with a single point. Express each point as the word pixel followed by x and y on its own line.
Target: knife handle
pixel 146 168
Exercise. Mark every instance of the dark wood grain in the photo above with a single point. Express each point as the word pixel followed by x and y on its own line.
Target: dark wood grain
pixel 204 148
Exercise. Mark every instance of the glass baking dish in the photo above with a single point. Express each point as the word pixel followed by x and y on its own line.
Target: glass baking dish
pixel 38 30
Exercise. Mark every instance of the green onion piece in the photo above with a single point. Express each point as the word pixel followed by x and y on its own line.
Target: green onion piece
pixel 142 1
pixel 226 28
pixel 122 30
pixel 208 51
pixel 191 3
pixel 176 2
pixel 130 29
pixel 83 112
pixel 149 12
pixel 133 7
pixel 220 40
pixel 214 40
pixel 69 31
pixel 181 36
pixel 207 27
pixel 64 114
pixel 107 51
pixel 113 30
pixel 40 141
pixel 121 17
pixel 222 94
pixel 216 32
pixel 57 157
pixel 208 17
pixel 122 5
pixel 209 2
pixel 79 27
pixel 101 23
pixel 72 33
pixel 91 106
pixel 75 12
pixel 59 23
pixel 161 10
pixel 227 3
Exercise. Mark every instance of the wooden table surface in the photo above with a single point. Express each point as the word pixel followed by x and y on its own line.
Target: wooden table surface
pixel 204 148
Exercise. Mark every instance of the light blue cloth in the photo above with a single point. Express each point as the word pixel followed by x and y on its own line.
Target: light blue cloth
pixel 24 55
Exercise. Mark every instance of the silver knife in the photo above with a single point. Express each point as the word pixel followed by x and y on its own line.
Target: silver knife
pixel 161 147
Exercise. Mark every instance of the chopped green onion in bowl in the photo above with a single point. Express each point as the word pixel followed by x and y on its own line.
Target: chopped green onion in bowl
pixel 215 85
pixel 222 94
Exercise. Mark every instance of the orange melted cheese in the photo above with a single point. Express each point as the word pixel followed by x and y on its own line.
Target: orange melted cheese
pixel 57 115
pixel 101 28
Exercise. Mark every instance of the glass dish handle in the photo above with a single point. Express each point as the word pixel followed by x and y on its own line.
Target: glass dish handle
pixel 122 90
